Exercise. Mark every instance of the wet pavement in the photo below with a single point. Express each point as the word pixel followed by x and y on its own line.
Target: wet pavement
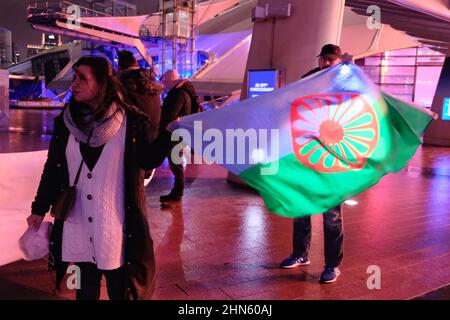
pixel 29 130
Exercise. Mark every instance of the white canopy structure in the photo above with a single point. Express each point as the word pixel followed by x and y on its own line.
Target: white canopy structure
pixel 224 32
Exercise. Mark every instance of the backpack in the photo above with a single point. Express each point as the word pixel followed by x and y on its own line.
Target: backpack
pixel 196 104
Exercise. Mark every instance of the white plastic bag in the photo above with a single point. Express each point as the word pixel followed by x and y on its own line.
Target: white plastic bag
pixel 34 244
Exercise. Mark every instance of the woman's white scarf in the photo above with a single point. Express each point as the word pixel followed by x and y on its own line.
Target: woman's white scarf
pixel 102 130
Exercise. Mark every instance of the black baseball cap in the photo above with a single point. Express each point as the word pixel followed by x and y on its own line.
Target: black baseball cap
pixel 330 50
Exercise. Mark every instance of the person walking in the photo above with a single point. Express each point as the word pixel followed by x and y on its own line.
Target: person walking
pixel 142 91
pixel 177 103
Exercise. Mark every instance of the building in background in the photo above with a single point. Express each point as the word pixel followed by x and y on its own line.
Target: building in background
pixel 178 36
pixel 52 59
pixel 223 32
pixel 146 6
pixel 109 7
pixel 6 58
pixel 411 74
pixel 15 54
pixel 49 41
pixel 45 12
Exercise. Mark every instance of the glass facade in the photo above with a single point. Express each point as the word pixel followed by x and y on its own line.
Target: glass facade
pixel 410 74
pixel 5 48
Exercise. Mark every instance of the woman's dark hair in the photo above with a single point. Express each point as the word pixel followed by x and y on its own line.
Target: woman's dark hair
pixel 126 59
pixel 111 89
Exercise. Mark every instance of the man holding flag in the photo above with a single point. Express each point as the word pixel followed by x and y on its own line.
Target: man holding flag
pixel 336 135
pixel 329 56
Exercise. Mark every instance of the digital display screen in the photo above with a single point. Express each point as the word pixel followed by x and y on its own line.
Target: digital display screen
pixel 261 81
pixel 51 39
pixel 446 109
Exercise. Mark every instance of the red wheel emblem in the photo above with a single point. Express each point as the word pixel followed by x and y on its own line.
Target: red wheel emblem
pixel 333 132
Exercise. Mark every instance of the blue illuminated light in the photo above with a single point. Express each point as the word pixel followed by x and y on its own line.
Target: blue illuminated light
pixel 446 109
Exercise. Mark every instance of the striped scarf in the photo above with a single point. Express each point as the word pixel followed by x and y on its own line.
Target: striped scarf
pixel 102 130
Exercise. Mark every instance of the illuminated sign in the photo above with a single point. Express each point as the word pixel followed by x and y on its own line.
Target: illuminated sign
pixel 261 81
pixel 446 109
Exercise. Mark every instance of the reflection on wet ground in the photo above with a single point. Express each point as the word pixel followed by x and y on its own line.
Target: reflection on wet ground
pixel 29 130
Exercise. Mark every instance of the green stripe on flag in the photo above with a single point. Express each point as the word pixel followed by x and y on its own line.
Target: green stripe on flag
pixel 296 190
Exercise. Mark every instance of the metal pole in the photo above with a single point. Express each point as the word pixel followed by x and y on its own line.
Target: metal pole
pixel 194 4
pixel 163 53
pixel 174 34
pixel 91 14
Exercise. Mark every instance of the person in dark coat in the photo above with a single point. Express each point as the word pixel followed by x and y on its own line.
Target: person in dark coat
pixel 106 232
pixel 176 104
pixel 142 91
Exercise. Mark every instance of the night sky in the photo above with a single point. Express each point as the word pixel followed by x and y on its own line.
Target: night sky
pixel 13 17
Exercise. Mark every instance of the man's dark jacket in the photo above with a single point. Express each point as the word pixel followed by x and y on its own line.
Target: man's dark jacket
pixel 310 72
pixel 144 93
pixel 176 104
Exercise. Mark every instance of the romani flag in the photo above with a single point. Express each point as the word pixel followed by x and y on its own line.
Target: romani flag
pixel 319 141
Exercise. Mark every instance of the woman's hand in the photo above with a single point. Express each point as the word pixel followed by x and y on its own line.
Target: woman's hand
pixel 34 221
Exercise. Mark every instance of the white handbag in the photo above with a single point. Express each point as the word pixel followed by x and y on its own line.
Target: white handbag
pixel 34 244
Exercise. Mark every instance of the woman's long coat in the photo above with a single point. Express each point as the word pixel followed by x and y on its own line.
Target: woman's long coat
pixel 142 152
